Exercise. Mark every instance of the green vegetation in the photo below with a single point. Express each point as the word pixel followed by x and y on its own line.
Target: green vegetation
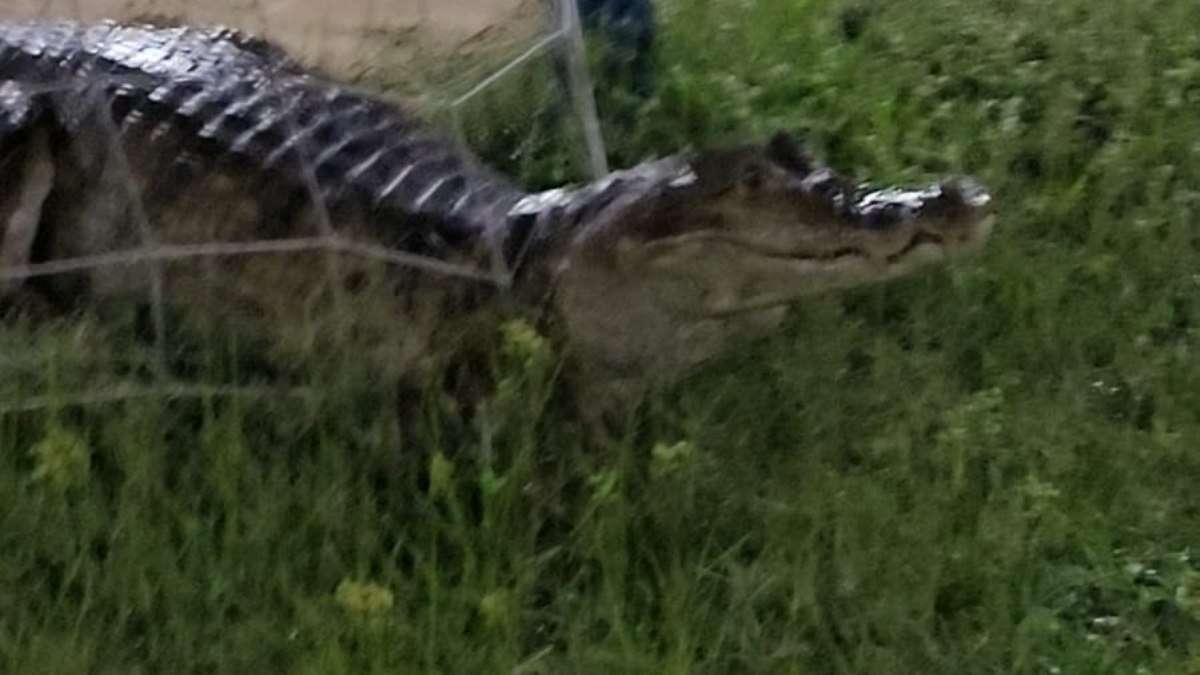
pixel 987 469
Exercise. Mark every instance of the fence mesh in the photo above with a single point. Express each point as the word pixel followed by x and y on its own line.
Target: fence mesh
pixel 143 352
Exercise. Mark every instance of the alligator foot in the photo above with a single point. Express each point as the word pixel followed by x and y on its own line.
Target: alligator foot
pixel 32 167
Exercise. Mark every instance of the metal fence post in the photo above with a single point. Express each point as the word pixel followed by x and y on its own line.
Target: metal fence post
pixel 579 81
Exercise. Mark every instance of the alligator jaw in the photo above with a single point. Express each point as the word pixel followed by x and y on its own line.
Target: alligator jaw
pixel 660 268
pixel 885 234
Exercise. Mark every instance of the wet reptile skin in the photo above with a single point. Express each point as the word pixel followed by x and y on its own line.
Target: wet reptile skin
pixel 222 96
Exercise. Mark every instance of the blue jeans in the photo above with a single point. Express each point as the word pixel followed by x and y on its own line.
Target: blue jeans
pixel 629 27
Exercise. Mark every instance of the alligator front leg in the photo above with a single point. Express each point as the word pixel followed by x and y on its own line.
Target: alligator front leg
pixel 28 172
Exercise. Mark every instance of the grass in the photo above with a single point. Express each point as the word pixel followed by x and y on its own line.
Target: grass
pixel 986 469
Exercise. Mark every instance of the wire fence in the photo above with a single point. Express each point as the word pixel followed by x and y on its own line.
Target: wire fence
pixel 567 37
pixel 24 381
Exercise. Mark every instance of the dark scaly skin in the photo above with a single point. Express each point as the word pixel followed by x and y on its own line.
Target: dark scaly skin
pixel 118 138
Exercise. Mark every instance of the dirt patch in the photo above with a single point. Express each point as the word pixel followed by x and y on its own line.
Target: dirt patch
pixel 421 44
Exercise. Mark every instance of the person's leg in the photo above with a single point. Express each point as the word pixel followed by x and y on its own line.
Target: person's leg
pixel 629 28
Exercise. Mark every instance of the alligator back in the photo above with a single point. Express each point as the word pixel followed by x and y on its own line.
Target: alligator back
pixel 178 136
pixel 240 97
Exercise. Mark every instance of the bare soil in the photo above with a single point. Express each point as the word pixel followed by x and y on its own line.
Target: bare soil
pixel 416 43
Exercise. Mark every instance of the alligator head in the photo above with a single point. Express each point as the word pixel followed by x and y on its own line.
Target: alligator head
pixel 658 269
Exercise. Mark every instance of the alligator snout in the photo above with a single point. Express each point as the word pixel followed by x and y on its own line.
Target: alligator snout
pixel 954 214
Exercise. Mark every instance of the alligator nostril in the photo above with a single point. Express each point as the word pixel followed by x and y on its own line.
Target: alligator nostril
pixel 970 191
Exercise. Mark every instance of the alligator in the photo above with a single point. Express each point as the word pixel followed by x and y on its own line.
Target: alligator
pixel 209 168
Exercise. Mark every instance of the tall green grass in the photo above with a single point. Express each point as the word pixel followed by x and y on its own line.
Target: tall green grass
pixel 987 469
